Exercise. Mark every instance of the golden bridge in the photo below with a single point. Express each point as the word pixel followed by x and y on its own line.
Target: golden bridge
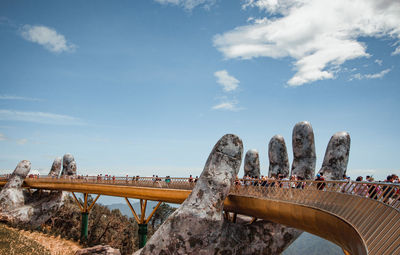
pixel 360 217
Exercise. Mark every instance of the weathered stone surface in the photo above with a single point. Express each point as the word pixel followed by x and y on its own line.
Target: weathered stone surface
pixel 56 167
pixel 195 227
pixel 261 237
pixel 39 207
pixel 278 157
pixel 98 250
pixel 336 156
pixel 252 164
pixel 31 209
pixel 69 165
pixel 198 226
pixel 11 196
pixel 304 158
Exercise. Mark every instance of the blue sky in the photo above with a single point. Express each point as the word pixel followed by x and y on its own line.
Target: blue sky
pixel 148 87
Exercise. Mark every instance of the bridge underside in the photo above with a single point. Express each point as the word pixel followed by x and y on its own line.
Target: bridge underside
pixel 312 220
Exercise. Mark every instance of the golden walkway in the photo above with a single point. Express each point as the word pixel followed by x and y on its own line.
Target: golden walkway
pixel 360 217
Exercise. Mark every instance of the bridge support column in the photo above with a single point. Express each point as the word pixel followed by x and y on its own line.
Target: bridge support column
pixel 142 221
pixel 85 209
pixel 84 226
pixel 142 235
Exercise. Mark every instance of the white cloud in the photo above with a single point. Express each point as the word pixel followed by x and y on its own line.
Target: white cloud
pixel 228 82
pixel 317 34
pixel 396 51
pixel 189 4
pixel 228 105
pixel 2 137
pixel 22 141
pixel 378 61
pixel 39 117
pixel 47 37
pixel 8 97
pixel 359 76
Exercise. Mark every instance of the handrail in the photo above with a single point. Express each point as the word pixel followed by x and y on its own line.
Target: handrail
pixel 387 193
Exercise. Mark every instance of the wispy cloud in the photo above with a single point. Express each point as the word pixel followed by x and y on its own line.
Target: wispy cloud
pixel 9 97
pixel 39 117
pixel 189 4
pixel 378 61
pixel 22 141
pixel 2 137
pixel 228 82
pixel 227 104
pixel 317 34
pixel 47 37
pixel 397 51
pixel 360 76
pixel 6 21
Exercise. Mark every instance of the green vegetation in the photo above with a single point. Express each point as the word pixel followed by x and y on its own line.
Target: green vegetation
pixel 12 242
pixel 105 226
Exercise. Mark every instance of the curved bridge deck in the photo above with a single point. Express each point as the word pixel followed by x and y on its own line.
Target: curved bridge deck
pixel 360 217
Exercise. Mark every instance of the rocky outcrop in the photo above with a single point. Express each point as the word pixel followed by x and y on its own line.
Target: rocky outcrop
pixel 98 250
pixel 69 165
pixel 252 164
pixel 304 158
pixel 336 156
pixel 11 196
pixel 278 157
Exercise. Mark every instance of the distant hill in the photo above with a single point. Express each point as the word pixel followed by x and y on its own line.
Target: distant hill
pixel 125 210
pixel 312 245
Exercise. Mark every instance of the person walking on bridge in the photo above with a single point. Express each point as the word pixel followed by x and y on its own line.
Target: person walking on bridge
pixel 321 181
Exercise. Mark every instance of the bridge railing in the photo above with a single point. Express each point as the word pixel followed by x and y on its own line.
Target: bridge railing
pixel 304 191
pixel 301 191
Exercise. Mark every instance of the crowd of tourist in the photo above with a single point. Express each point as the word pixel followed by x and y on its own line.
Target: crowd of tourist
pixel 368 188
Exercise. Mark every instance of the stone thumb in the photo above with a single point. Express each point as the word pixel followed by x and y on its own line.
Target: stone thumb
pixel 218 175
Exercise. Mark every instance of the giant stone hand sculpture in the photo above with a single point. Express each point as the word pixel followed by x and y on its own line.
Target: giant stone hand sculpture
pixel 198 226
pixel 21 207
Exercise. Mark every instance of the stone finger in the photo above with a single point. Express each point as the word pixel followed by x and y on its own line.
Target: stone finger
pixel 69 165
pixel 336 157
pixel 252 164
pixel 304 158
pixel 56 167
pixel 278 157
